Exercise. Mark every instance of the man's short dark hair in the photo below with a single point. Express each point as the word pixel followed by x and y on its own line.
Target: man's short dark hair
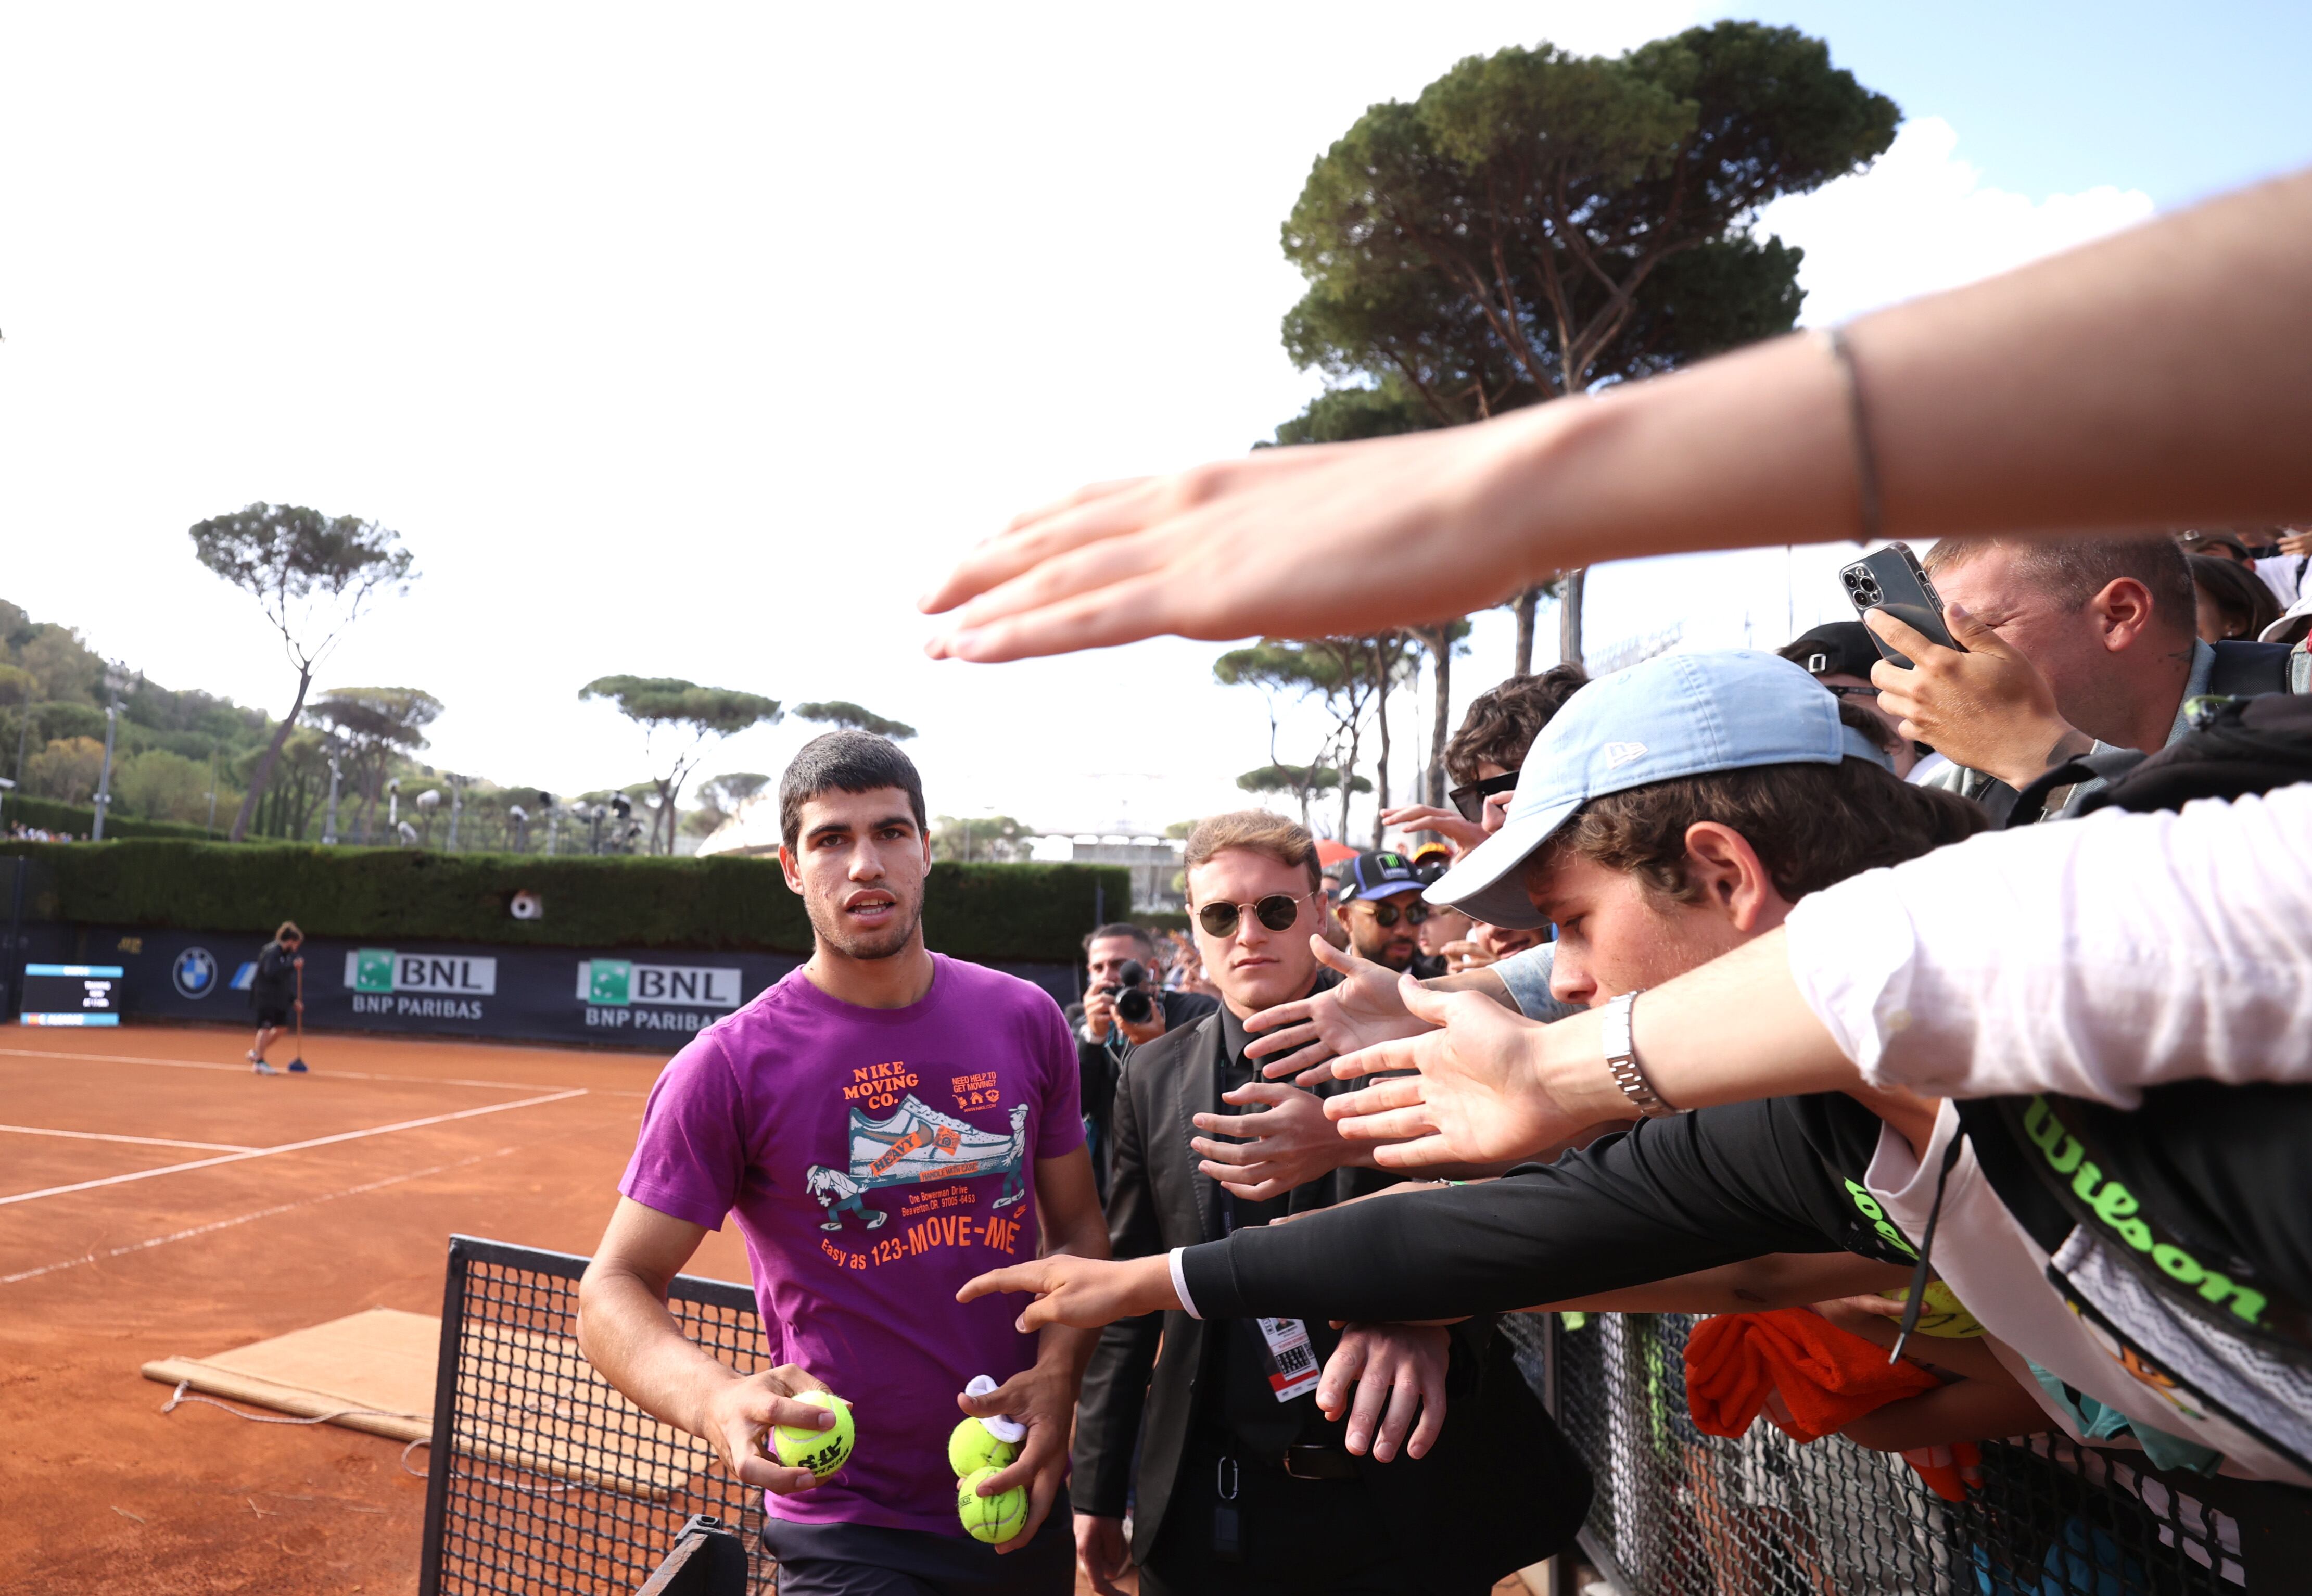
pixel 1503 721
pixel 1138 934
pixel 845 762
pixel 1811 825
pixel 2073 570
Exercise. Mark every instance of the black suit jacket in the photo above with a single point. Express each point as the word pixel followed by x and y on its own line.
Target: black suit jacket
pixel 1501 1488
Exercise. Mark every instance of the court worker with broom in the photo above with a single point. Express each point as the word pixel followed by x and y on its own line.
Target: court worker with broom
pixel 277 990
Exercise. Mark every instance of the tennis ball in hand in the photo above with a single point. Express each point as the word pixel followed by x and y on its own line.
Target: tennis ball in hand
pixel 973 1447
pixel 822 1451
pixel 990 1519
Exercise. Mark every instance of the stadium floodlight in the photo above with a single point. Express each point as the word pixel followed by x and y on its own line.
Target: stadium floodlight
pixel 330 825
pixel 116 679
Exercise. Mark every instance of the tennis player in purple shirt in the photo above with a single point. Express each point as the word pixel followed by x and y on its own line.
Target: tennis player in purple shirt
pixel 883 1124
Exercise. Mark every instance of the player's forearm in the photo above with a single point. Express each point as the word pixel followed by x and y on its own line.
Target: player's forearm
pixel 626 1333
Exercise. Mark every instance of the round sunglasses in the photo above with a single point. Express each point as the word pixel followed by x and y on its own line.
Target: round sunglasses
pixel 1277 911
pixel 1415 913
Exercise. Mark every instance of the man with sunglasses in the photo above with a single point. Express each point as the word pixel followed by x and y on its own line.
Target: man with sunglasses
pixel 1251 1479
pixel 1380 904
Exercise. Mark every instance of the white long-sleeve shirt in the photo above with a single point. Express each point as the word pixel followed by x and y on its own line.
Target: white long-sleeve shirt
pixel 2095 958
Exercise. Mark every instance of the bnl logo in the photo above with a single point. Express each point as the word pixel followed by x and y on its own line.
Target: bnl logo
pixel 620 982
pixel 383 969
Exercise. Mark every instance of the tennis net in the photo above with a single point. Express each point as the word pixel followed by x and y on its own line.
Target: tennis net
pixel 543 1478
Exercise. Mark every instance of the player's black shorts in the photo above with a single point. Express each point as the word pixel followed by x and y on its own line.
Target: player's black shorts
pixel 268 1018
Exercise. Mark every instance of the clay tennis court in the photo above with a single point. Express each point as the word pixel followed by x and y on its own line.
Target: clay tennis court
pixel 158 1198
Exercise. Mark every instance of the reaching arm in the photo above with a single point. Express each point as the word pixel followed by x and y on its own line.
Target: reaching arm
pixel 1672 1196
pixel 2013 405
pixel 626 1331
pixel 1363 1007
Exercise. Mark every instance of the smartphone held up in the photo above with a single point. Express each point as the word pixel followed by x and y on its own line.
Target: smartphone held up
pixel 1892 579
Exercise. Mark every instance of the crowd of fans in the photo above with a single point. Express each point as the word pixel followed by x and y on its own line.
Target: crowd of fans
pixel 19 832
pixel 1915 1277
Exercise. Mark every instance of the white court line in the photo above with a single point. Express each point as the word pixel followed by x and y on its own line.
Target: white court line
pixel 343 1135
pixel 98 1135
pixel 222 1225
pixel 330 1074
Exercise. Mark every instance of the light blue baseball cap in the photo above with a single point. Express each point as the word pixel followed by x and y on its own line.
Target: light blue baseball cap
pixel 1673 716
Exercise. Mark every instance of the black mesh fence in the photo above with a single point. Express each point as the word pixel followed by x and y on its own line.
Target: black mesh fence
pixel 1681 1513
pixel 542 1478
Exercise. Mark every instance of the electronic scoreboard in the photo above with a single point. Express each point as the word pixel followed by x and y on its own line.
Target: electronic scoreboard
pixel 72 995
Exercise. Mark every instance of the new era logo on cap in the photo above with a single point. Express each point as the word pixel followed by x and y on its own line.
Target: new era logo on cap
pixel 1675 715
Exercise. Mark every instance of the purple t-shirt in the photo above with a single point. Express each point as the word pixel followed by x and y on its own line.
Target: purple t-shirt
pixel 876 1160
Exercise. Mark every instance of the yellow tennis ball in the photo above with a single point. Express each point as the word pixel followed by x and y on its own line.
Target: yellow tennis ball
pixel 973 1447
pixel 822 1451
pixel 990 1519
pixel 1942 1313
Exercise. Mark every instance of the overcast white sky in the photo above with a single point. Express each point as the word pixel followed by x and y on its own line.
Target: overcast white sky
pixel 694 341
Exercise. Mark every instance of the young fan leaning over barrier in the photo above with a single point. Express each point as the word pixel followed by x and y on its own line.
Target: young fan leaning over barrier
pixel 1670 812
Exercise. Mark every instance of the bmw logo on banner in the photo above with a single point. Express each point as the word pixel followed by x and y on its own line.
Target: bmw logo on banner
pixel 194 972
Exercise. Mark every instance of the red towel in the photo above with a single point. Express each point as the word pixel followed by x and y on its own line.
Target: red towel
pixel 1828 1377
pixel 1950 1472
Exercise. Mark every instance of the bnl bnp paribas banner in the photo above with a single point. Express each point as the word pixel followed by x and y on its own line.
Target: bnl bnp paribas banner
pixel 646 1000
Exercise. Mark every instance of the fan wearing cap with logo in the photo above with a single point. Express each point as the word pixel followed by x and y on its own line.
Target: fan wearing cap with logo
pixel 1379 898
pixel 1668 813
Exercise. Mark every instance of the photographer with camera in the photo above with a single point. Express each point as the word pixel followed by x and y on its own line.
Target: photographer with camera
pixel 1124 1006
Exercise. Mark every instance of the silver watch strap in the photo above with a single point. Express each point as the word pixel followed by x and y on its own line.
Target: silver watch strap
pixel 1622 1059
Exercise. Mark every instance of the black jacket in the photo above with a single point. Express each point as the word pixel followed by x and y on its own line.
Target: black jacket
pixel 1501 1489
pixel 1097 1067
pixel 275 984
pixel 1666 1197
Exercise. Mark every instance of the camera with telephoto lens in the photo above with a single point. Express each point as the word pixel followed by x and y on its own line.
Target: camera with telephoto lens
pixel 1135 1000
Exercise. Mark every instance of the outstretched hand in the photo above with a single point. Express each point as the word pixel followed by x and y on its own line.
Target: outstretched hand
pixel 1479 1095
pixel 1462 834
pixel 1361 1010
pixel 1085 1293
pixel 1987 708
pixel 1321 541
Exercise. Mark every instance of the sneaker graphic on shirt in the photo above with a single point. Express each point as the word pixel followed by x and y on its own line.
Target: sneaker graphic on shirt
pixel 915 1145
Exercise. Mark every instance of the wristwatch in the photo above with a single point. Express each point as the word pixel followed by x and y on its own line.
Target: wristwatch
pixel 1622 1059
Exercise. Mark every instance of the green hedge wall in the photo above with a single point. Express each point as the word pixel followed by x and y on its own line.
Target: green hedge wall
pixel 79 819
pixel 1024 913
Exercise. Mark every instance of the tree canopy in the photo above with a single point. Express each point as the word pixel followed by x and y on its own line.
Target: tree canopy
pixel 837 712
pixel 1537 222
pixel 312 575
pixel 667 706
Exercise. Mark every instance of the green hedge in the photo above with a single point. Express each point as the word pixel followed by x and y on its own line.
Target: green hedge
pixel 1025 913
pixel 79 819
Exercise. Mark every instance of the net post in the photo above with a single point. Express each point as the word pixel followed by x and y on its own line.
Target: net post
pixel 445 1408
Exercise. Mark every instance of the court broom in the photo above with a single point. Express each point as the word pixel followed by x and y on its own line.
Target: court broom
pixel 297 1064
